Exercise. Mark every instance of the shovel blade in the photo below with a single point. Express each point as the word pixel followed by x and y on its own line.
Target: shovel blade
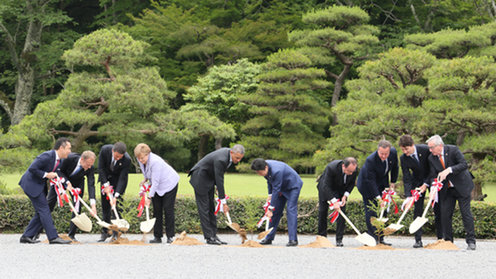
pixel 147 226
pixel 83 222
pixel 121 224
pixel 395 227
pixel 384 220
pixel 263 234
pixel 417 224
pixel 366 239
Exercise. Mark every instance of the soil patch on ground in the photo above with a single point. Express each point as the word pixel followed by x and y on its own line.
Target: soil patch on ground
pixel 320 242
pixel 442 245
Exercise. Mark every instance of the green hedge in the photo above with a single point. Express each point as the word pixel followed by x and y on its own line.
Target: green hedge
pixel 16 211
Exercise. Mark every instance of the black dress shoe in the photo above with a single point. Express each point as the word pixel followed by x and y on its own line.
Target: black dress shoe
pixel 73 238
pixel 103 237
pixel 385 243
pixel 221 242
pixel 25 239
pixel 266 242
pixel 213 241
pixel 418 244
pixel 156 240
pixel 292 243
pixel 471 246
pixel 339 243
pixel 59 240
pixel 170 240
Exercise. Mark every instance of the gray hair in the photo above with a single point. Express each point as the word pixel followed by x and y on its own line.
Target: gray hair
pixel 436 139
pixel 238 148
pixel 87 155
pixel 384 144
pixel 349 161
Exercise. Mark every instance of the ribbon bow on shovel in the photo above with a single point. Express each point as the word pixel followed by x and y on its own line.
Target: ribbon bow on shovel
pixel 420 221
pixel 407 204
pixel 265 219
pixel 145 226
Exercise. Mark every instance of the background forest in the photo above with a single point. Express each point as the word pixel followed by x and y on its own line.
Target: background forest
pixel 302 81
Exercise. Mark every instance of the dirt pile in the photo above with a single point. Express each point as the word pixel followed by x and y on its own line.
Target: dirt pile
pixel 442 245
pixel 125 241
pixel 182 239
pixel 252 243
pixel 377 247
pixel 263 234
pixel 320 242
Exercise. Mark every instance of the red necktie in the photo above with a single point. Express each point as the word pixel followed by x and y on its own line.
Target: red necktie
pixel 56 165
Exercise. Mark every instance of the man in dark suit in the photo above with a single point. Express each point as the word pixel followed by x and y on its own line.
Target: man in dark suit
pixel 374 178
pixel 33 182
pixel 113 169
pixel 74 169
pixel 336 183
pixel 205 175
pixel 284 185
pixel 415 167
pixel 448 165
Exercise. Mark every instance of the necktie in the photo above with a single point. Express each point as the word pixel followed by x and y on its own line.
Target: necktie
pixel 414 156
pixel 56 164
pixel 112 164
pixel 344 179
pixel 442 161
pixel 385 166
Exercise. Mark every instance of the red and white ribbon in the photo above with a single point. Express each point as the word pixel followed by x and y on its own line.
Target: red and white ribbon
pixel 387 196
pixel 61 196
pixel 415 196
pixel 218 206
pixel 75 196
pixel 111 189
pixel 265 217
pixel 334 213
pixel 144 188
pixel 435 188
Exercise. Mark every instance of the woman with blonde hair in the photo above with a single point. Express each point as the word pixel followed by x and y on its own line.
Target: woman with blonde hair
pixel 163 181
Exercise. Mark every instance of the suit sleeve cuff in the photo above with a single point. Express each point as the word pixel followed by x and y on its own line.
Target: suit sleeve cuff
pixel 116 195
pixel 450 170
pixel 378 197
pixel 92 201
pixel 45 174
pixel 223 201
pixel 334 200
pixel 346 193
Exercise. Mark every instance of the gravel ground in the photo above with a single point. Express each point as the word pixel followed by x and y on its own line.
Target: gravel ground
pixel 94 260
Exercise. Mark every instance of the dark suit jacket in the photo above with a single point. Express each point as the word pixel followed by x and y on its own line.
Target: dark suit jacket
pixel 372 179
pixel 32 181
pixel 331 183
pixel 460 177
pixel 209 171
pixel 281 178
pixel 415 173
pixel 118 177
pixel 77 180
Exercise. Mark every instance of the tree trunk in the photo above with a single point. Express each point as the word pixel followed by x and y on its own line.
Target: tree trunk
pixel 477 192
pixel 25 79
pixel 202 146
pixel 218 143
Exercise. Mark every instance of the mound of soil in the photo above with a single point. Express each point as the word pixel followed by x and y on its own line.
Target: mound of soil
pixel 252 243
pixel 442 245
pixel 320 242
pixel 182 239
pixel 125 241
pixel 377 247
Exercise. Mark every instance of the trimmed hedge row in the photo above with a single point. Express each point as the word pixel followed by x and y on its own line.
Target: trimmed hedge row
pixel 16 211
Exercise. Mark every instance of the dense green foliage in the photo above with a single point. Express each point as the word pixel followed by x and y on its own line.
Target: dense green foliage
pixel 243 209
pixel 283 77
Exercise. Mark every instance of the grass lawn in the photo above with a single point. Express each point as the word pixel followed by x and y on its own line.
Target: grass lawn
pixel 236 185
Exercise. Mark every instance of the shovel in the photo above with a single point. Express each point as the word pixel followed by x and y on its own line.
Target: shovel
pixel 80 220
pixel 381 218
pixel 147 226
pixel 420 221
pixel 262 235
pixel 397 226
pixel 99 221
pixel 120 223
pixel 234 226
pixel 364 238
